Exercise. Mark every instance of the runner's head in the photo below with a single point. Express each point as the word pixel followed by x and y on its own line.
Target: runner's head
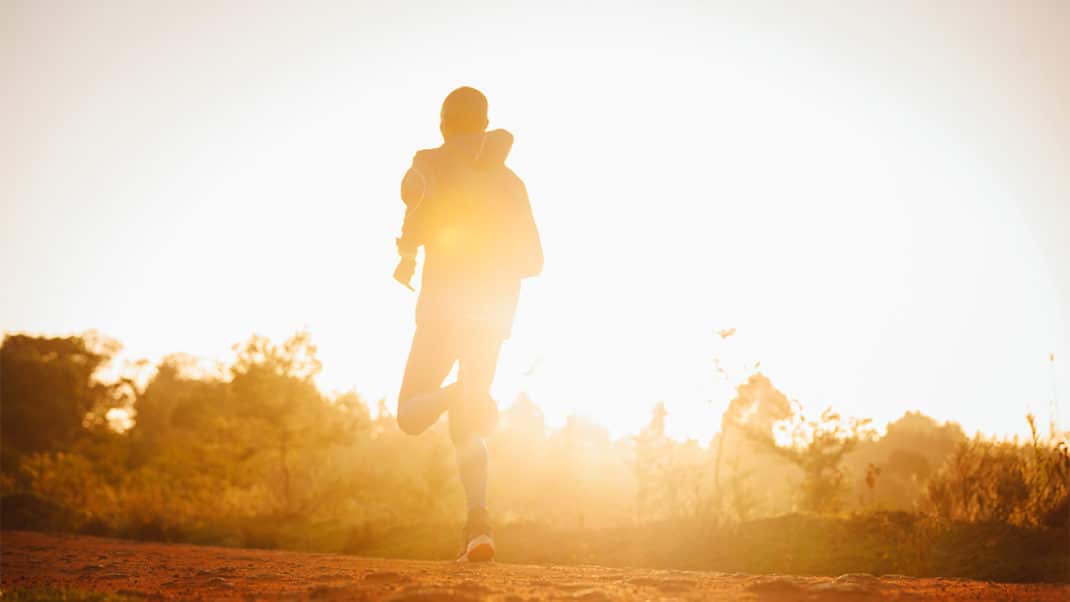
pixel 464 112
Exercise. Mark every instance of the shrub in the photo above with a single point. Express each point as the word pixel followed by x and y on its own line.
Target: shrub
pixel 1002 481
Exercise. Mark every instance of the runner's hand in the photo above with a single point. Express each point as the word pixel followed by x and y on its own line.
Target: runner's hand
pixel 403 273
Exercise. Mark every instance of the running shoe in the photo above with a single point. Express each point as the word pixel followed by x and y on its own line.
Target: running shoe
pixel 478 538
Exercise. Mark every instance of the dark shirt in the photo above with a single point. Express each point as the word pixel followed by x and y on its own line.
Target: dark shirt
pixel 472 215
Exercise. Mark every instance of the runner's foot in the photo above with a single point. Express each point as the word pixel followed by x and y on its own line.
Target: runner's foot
pixel 478 537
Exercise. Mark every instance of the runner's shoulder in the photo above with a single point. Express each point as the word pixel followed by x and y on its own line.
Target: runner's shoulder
pixel 426 156
pixel 515 183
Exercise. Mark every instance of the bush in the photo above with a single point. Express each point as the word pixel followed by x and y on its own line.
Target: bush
pixel 1000 481
pixel 30 512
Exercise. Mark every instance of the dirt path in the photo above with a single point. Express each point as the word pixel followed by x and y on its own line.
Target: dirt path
pixel 184 572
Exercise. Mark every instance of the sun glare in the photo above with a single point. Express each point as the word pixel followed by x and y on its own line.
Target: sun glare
pixel 789 278
pixel 840 211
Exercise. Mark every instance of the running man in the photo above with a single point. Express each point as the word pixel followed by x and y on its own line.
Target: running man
pixel 471 215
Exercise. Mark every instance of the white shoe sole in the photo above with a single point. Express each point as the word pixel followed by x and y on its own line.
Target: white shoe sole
pixel 480 549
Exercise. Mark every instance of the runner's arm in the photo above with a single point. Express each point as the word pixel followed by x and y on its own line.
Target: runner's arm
pixel 413 190
pixel 530 258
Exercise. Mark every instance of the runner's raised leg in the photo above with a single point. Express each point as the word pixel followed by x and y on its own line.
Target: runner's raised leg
pixel 422 398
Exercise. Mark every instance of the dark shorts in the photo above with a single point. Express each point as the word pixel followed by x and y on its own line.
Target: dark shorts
pixel 437 345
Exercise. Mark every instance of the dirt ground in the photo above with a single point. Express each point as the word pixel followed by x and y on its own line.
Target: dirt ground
pixel 183 572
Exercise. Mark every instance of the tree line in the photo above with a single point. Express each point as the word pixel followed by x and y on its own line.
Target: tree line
pixel 252 453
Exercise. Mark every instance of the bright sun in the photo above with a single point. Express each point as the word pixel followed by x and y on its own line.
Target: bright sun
pixel 835 211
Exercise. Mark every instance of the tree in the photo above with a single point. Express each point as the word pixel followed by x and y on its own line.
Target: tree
pixel 907 456
pixel 180 396
pixel 651 452
pixel 818 448
pixel 669 474
pixel 757 407
pixel 48 392
pixel 272 386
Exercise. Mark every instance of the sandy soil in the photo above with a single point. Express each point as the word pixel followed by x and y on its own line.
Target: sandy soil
pixel 184 572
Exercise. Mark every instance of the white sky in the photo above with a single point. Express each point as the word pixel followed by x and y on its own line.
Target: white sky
pixel 874 194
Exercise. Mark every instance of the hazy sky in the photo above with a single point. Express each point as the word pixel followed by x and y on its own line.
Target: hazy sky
pixel 876 195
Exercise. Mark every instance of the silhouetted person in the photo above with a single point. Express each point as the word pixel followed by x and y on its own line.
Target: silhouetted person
pixel 471 215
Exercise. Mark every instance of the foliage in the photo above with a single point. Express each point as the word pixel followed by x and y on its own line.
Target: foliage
pixel 901 462
pixel 253 454
pixel 880 543
pixel 672 477
pixel 999 481
pixel 48 390
pixel 272 394
pixel 818 447
pixel 767 420
pixel 743 451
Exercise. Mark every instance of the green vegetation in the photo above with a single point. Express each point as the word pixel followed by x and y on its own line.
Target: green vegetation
pixel 879 543
pixel 253 455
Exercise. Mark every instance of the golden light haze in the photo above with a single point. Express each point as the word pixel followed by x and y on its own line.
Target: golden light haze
pixel 875 195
